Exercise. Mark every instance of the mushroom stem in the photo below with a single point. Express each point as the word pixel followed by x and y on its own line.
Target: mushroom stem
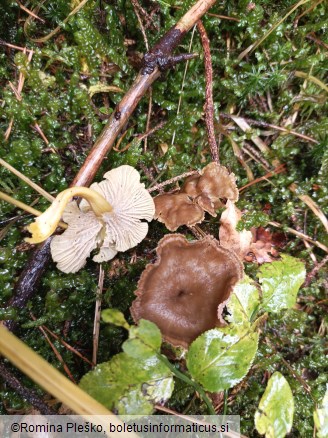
pixel 47 223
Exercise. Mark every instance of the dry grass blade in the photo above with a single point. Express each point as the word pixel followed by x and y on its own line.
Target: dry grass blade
pixel 27 180
pixel 239 155
pixel 277 128
pixel 96 324
pixel 244 126
pixel 24 8
pixel 300 235
pixel 52 381
pixel 57 29
pixel 25 207
pixel 17 92
pixel 301 74
pixel 312 205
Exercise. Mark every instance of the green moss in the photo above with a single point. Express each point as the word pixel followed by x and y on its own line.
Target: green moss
pixel 91 48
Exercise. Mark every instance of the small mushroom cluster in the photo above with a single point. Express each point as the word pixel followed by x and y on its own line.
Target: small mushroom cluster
pixel 185 291
pixel 109 218
pixel 200 193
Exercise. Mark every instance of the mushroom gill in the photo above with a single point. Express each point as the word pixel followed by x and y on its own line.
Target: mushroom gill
pixel 185 291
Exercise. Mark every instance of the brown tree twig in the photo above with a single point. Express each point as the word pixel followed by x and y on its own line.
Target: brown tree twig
pixel 310 276
pixel 209 105
pixel 96 323
pixel 159 186
pixel 27 283
pixel 26 393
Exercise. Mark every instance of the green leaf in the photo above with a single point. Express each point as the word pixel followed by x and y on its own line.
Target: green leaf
pixel 243 302
pixel 281 281
pixel 220 358
pixel 274 416
pixel 320 417
pixel 144 340
pixel 114 316
pixel 129 386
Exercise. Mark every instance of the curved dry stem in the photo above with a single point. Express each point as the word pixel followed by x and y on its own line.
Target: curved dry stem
pixel 27 180
pixel 46 224
pixel 19 204
pixel 25 207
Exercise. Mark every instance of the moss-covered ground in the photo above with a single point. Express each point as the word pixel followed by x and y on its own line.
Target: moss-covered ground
pixel 280 81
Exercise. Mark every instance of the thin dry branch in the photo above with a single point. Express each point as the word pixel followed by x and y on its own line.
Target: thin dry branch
pixel 300 235
pixel 66 345
pixel 96 323
pixel 209 105
pixel 172 180
pixel 56 352
pixel 26 393
pixel 310 276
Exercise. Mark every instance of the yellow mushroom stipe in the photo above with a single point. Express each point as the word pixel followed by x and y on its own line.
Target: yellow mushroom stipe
pixel 46 224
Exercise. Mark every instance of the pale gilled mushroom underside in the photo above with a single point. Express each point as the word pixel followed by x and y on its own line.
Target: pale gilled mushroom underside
pixel 114 231
pixel 71 249
pixel 185 291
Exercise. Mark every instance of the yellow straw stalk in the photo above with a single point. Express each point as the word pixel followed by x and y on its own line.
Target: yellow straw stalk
pixel 52 381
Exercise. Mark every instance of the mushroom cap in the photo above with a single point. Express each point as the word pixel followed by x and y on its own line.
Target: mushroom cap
pixel 177 209
pixel 199 193
pixel 213 183
pixel 185 291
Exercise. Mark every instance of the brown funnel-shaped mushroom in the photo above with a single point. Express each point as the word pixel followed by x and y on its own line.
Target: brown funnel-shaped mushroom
pixel 213 184
pixel 199 193
pixel 185 291
pixel 177 209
